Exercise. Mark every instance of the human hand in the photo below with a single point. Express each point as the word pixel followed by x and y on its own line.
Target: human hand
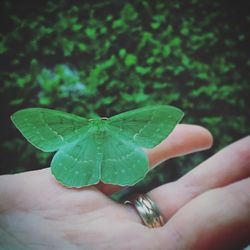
pixel 36 212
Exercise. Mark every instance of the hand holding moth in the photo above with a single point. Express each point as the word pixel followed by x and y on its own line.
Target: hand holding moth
pixel 205 209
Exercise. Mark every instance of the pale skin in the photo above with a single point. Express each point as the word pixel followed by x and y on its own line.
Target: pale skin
pixel 208 208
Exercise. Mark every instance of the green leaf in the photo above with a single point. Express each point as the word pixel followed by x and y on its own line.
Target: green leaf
pixel 142 70
pixel 44 100
pixel 21 82
pixel 185 60
pixel 89 151
pixel 166 50
pixel 151 60
pixel 3 47
pixel 155 25
pixel 130 60
pixel 175 41
pixel 16 101
pixel 103 30
pixel 118 23
pixel 77 27
pixel 185 31
pixel 122 52
pixel 82 46
pixel 91 33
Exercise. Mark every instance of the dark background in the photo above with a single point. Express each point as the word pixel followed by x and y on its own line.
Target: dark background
pixel 106 57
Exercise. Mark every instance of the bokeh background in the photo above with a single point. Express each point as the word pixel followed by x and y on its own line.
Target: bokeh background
pixel 106 57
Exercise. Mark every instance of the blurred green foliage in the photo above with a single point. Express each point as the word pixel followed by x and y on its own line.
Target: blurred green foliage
pixel 105 57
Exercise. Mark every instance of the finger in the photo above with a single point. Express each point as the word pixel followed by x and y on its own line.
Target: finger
pixel 183 140
pixel 229 165
pixel 217 219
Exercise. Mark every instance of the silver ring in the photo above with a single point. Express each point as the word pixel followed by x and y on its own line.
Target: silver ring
pixel 148 211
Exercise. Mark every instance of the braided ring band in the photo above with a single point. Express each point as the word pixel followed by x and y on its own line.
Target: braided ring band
pixel 148 211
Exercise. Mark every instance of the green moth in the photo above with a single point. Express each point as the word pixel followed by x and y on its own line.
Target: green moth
pixel 103 149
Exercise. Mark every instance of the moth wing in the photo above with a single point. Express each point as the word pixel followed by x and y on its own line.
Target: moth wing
pixel 123 162
pixel 147 126
pixel 49 129
pixel 78 164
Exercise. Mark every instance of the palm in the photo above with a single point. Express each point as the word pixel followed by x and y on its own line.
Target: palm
pixel 68 218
